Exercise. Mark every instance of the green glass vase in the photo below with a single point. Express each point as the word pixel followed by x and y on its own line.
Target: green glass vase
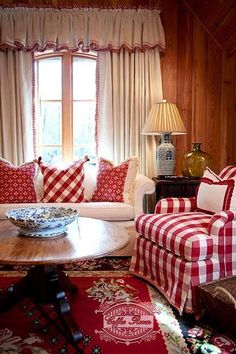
pixel 195 162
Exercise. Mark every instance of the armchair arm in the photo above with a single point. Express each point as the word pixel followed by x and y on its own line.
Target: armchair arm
pixel 175 205
pixel 142 185
pixel 222 228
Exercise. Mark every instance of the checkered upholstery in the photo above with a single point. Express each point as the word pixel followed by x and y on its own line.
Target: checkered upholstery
pixel 63 185
pixel 184 234
pixel 178 248
pixel 175 277
pixel 175 205
pixel 228 172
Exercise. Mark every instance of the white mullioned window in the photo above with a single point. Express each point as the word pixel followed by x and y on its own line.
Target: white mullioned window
pixel 65 106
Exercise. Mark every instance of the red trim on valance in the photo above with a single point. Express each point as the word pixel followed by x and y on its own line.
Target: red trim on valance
pixel 80 47
pixel 38 29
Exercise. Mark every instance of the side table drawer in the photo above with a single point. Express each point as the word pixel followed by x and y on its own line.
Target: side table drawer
pixel 175 187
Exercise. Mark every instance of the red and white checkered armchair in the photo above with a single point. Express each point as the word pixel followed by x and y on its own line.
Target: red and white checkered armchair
pixel 182 245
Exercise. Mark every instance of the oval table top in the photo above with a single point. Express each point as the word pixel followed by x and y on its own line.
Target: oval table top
pixel 85 239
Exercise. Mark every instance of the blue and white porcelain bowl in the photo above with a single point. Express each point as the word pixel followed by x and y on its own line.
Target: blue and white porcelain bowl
pixel 42 221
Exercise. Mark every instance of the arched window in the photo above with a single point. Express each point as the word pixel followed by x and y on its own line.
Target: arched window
pixel 65 106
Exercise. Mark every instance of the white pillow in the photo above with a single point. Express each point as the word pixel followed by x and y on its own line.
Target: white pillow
pixel 208 173
pixel 215 178
pixel 213 197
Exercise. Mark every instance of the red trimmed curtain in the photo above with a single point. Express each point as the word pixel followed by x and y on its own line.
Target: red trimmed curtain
pixel 85 29
pixel 128 42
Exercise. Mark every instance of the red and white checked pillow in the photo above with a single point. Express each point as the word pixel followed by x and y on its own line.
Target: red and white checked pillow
pixel 17 183
pixel 115 183
pixel 63 185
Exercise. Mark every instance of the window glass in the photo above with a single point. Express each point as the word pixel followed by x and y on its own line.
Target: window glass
pixel 84 129
pixel 51 154
pixel 49 75
pixel 65 106
pixel 50 123
pixel 84 78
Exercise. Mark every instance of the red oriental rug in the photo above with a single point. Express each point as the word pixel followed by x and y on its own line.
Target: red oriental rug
pixel 115 311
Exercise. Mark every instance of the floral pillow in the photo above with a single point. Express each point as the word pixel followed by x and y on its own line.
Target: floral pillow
pixel 17 183
pixel 115 183
pixel 63 185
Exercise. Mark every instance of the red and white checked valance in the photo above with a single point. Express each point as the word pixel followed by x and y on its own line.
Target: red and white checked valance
pixel 85 29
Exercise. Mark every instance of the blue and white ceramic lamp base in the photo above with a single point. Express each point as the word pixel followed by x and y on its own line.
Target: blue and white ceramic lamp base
pixel 166 156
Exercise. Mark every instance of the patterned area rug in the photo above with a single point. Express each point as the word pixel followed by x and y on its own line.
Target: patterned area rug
pixel 105 286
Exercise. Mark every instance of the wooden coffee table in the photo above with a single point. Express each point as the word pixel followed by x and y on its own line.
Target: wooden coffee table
pixel 45 282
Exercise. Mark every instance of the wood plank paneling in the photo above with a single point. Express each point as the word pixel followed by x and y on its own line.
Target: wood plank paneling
pixel 184 80
pixel 213 103
pixel 229 110
pixel 199 84
pixel 219 19
pixel 169 62
pixel 205 98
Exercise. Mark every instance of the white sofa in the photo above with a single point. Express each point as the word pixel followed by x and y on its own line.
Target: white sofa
pixel 120 213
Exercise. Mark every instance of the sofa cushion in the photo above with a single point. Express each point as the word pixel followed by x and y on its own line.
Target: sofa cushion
pixel 184 234
pixel 63 185
pixel 115 183
pixel 17 183
pixel 104 211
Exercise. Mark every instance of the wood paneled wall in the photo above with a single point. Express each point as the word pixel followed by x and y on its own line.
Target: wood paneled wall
pixel 199 77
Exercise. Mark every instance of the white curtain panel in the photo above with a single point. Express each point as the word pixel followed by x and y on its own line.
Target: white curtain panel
pixel 16 142
pixel 129 83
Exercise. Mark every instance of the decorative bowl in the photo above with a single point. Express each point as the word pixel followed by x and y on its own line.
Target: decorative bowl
pixel 42 221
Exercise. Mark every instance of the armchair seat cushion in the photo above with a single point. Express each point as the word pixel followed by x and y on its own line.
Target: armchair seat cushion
pixel 184 234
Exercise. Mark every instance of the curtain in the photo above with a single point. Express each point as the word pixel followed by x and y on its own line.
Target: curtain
pixel 16 142
pixel 128 44
pixel 129 83
pixel 86 29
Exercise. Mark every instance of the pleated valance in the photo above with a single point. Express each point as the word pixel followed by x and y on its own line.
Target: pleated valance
pixel 86 29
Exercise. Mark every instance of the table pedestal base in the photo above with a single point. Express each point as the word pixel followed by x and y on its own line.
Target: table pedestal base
pixel 45 284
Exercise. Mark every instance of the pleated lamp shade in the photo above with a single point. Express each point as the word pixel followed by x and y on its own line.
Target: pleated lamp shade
pixel 164 117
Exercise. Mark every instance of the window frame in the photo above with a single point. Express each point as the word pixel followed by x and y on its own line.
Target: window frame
pixel 66 99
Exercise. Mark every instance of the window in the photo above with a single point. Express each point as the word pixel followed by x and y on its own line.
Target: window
pixel 65 106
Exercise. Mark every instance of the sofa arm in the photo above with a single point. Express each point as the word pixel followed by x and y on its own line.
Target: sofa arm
pixel 222 228
pixel 142 185
pixel 175 205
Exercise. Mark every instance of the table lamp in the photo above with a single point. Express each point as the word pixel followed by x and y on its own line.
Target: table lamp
pixel 164 120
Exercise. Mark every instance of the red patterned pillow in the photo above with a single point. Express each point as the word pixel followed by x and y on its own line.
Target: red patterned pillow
pixel 115 183
pixel 17 183
pixel 63 185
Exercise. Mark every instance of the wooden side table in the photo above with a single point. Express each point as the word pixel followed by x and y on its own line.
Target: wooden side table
pixel 175 187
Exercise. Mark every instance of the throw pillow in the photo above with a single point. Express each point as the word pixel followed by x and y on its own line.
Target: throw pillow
pixel 115 183
pixel 208 173
pixel 227 173
pixel 17 183
pixel 63 185
pixel 213 197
